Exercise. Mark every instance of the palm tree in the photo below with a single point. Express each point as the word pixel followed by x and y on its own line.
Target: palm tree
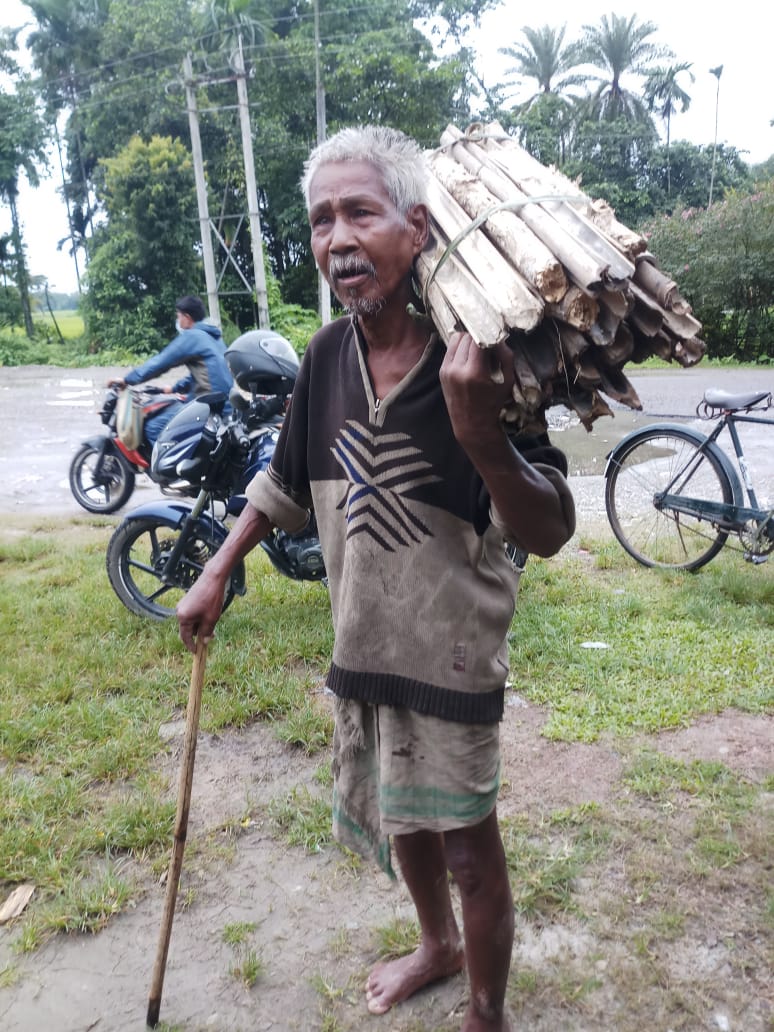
pixel 619 46
pixel 546 117
pixel 544 59
pixel 662 94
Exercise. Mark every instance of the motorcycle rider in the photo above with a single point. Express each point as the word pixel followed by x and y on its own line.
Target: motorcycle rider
pixel 199 346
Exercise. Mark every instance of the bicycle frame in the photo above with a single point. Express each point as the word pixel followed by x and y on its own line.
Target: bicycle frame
pixel 727 517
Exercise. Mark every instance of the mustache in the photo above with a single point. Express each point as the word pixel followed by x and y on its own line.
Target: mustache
pixel 350 265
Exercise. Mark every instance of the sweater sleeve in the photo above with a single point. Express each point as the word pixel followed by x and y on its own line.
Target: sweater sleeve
pixel 283 491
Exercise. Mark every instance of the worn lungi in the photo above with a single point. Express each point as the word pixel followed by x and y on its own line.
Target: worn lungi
pixel 396 772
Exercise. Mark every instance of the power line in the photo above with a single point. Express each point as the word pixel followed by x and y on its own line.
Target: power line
pixel 85 78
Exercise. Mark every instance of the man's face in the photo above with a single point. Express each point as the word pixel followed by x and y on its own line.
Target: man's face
pixel 360 242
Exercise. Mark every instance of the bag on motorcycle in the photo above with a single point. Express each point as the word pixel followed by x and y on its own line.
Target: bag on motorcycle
pixel 129 419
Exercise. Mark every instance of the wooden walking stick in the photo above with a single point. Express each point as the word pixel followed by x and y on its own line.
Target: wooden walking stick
pixel 181 828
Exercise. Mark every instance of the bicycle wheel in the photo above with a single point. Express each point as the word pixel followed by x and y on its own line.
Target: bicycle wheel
pixel 136 555
pixel 105 491
pixel 640 470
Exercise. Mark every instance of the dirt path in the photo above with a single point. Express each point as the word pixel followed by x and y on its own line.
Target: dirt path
pixel 315 915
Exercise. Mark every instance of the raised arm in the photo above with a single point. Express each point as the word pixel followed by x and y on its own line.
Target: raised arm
pixel 535 505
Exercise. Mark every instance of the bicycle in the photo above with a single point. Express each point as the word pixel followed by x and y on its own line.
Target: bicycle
pixel 673 495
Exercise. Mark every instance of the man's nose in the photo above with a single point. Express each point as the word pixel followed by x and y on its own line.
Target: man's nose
pixel 343 237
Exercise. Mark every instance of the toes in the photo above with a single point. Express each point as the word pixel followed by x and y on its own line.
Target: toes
pixel 376 1005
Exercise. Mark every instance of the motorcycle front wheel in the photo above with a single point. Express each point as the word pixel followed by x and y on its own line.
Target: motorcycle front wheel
pixel 136 557
pixel 101 487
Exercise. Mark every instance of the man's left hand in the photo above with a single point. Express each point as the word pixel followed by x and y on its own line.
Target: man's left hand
pixel 477 383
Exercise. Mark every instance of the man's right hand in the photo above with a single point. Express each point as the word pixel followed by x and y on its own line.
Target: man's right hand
pixel 199 610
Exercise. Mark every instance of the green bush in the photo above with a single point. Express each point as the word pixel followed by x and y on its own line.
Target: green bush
pixel 723 261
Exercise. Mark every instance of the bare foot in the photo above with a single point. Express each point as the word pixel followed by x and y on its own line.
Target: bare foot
pixel 396 980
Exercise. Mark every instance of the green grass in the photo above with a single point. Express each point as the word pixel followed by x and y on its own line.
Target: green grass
pixel 546 858
pixel 303 819
pixel 238 932
pixel 70 322
pixel 83 690
pixel 85 686
pixel 397 938
pixel 678 644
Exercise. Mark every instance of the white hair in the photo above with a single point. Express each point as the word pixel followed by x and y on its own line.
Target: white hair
pixel 397 158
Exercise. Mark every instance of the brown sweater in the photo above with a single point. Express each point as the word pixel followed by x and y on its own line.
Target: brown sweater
pixel 422 592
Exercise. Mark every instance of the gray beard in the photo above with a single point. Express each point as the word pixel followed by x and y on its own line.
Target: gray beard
pixel 348 264
pixel 363 305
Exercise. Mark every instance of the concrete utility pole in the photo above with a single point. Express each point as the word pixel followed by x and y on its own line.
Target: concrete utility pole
pixel 261 297
pixel 201 193
pixel 324 291
pixel 717 72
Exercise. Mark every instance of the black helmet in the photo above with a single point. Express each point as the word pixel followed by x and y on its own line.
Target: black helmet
pixel 263 362
pixel 178 442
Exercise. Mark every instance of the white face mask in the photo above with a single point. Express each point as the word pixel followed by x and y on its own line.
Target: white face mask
pixel 178 327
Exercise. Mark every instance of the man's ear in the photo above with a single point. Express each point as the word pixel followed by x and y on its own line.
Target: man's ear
pixel 418 219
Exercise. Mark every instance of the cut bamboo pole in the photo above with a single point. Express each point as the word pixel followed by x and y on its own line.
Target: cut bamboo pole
pixel 513 238
pixel 603 217
pixel 541 349
pixel 689 352
pixel 475 313
pixel 653 281
pixel 576 308
pixel 584 270
pixel 619 350
pixel 521 308
pixel 525 172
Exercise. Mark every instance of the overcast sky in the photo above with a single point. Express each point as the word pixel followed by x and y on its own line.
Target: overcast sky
pixel 705 35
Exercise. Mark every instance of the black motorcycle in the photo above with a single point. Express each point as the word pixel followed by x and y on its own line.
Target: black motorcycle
pixel 159 550
pixel 103 470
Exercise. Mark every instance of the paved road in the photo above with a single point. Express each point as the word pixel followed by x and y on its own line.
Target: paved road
pixel 45 412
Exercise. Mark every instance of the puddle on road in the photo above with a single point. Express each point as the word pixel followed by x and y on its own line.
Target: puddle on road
pixel 587 451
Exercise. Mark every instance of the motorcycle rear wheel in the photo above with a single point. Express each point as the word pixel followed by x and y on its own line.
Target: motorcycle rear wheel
pixel 136 556
pixel 103 492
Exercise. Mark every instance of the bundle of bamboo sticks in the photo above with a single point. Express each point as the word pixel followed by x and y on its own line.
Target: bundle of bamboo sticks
pixel 519 253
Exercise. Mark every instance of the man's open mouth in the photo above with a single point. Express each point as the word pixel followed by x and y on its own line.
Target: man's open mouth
pixel 347 271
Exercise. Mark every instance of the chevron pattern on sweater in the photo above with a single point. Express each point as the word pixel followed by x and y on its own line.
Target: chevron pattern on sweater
pixel 381 468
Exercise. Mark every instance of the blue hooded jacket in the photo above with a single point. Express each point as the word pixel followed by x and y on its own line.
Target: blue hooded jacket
pixel 202 349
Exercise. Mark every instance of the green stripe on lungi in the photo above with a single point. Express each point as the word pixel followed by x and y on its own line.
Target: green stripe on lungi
pixel 353 836
pixel 434 803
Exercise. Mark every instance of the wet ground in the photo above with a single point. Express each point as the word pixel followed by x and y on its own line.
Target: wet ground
pixel 46 411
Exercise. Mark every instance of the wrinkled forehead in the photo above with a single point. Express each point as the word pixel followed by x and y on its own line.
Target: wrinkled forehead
pixel 347 178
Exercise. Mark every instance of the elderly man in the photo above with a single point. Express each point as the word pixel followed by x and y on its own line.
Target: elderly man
pixel 396 442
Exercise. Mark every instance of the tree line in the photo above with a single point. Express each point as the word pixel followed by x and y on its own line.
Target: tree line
pixel 107 88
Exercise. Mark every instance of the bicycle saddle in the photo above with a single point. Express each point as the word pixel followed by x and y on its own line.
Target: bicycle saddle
pixel 725 400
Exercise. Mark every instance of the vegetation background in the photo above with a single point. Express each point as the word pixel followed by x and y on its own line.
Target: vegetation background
pixel 107 87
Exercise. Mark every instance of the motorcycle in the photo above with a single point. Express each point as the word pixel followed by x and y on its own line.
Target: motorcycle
pixel 159 550
pixel 103 470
